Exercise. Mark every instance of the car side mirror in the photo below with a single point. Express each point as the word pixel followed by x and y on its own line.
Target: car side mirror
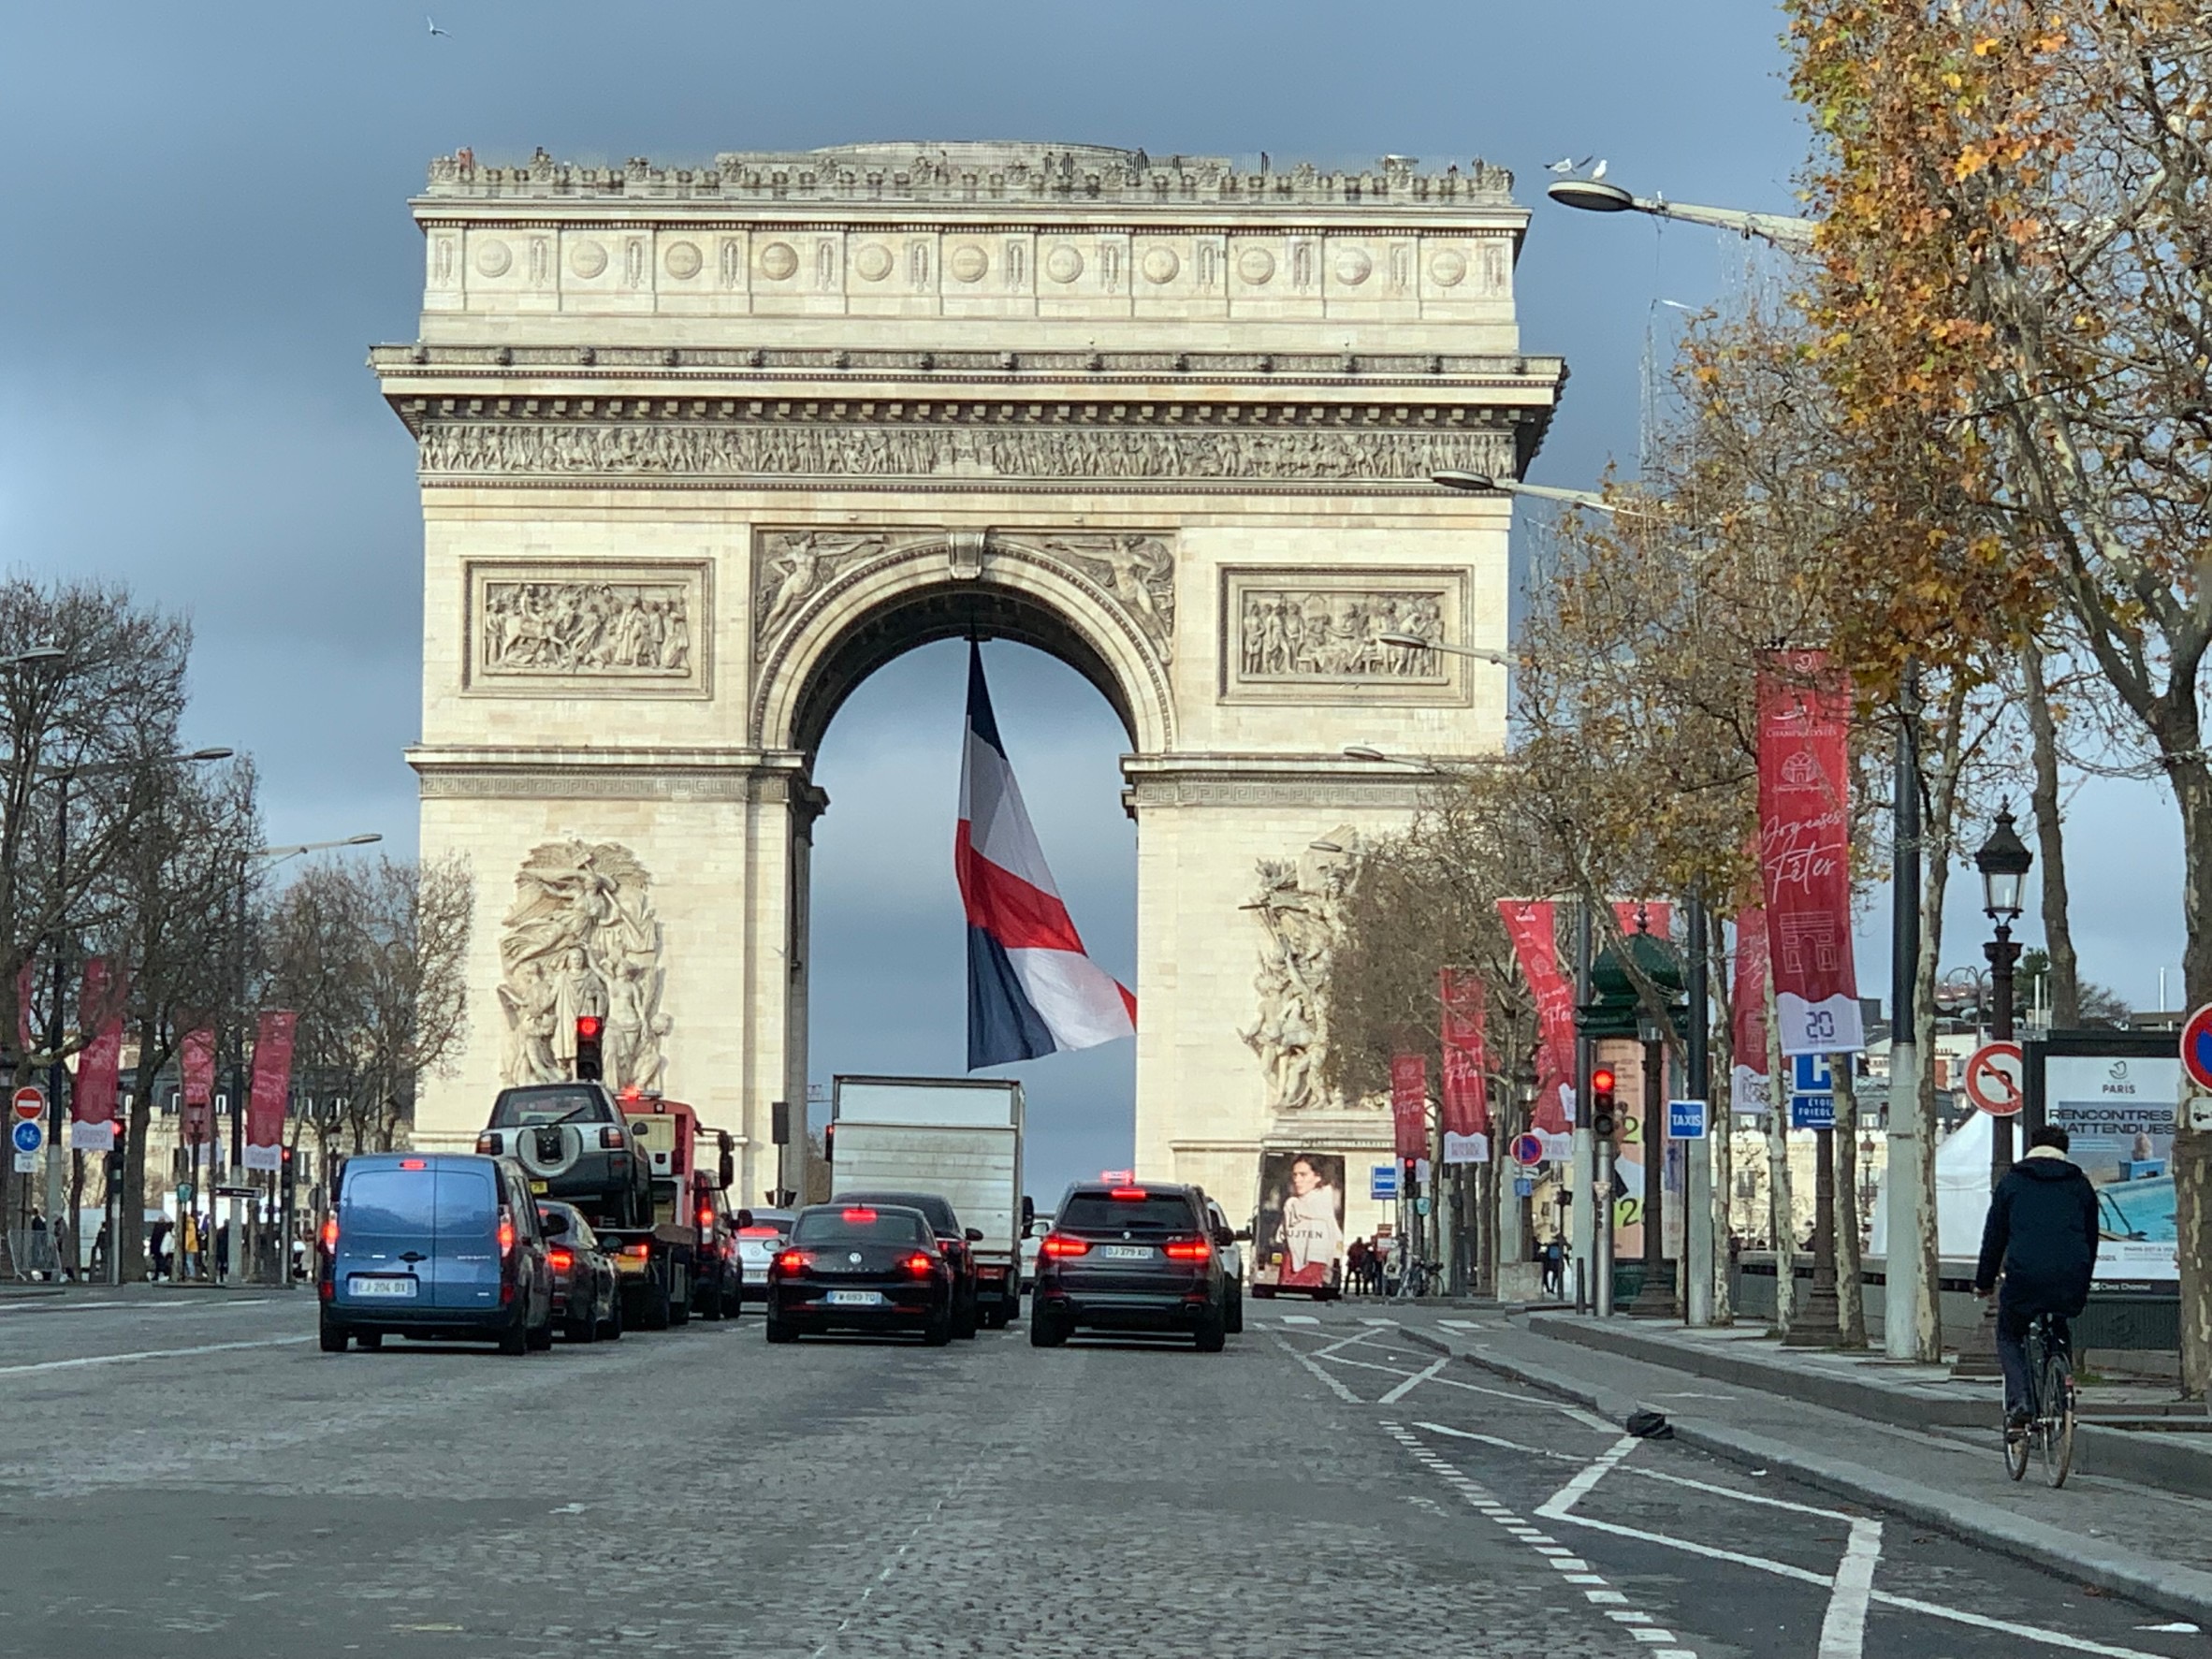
pixel 727 1173
pixel 1223 1237
pixel 975 1235
pixel 744 1219
pixel 1242 1236
pixel 1029 1214
pixel 553 1224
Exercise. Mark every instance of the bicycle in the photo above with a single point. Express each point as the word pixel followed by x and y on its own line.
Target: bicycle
pixel 1421 1278
pixel 2051 1401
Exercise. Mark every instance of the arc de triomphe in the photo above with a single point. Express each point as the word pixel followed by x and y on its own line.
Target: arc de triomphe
pixel 701 448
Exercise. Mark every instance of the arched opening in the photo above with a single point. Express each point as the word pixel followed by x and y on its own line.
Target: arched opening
pixel 886 959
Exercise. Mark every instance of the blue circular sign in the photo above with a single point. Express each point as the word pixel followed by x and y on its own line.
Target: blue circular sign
pixel 29 1137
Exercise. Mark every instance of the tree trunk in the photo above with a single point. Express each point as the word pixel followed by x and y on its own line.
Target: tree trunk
pixel 1939 835
pixel 1720 1121
pixel 2192 1148
pixel 130 1215
pixel 2050 840
pixel 1851 1300
pixel 1781 1219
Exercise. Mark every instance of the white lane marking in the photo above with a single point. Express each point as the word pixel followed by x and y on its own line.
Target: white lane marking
pixel 205 1348
pixel 1299 1319
pixel 1555 1507
pixel 1413 1382
pixel 1336 1386
pixel 1843 1630
pixel 1379 1321
pixel 1463 1325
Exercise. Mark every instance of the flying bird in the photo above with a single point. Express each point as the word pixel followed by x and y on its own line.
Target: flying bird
pixel 435 30
pixel 1566 164
pixel 1597 173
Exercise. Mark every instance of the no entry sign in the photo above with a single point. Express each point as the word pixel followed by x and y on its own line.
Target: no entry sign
pixel 30 1104
pixel 1995 1079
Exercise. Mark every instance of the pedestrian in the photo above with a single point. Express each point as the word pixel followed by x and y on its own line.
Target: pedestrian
pixel 41 1245
pixel 188 1250
pixel 100 1260
pixel 1554 1268
pixel 223 1251
pixel 1356 1264
pixel 157 1248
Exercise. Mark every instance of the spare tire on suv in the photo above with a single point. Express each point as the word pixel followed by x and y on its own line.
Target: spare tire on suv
pixel 572 1142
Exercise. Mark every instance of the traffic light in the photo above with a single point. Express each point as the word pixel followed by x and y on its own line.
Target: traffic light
pixel 829 1142
pixel 1601 1103
pixel 587 1029
pixel 285 1173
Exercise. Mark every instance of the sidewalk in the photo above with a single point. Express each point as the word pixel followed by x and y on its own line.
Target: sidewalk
pixel 2151 1543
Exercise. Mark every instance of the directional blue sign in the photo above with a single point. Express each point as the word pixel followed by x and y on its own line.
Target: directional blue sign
pixel 1685 1120
pixel 29 1137
pixel 1524 1186
pixel 1382 1182
pixel 1812 1112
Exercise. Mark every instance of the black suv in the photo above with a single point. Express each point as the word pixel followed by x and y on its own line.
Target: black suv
pixel 1132 1258
pixel 952 1238
pixel 573 1145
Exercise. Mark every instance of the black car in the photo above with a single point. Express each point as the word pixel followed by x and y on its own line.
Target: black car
pixel 574 1145
pixel 860 1267
pixel 587 1295
pixel 1132 1258
pixel 952 1238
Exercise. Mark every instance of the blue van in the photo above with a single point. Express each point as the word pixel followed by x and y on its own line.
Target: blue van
pixel 433 1245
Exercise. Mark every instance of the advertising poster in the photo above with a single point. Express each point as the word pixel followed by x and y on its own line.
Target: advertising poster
pixel 2118 1113
pixel 273 1086
pixel 1805 853
pixel 1300 1217
pixel 91 1103
pixel 1467 1059
pixel 1530 925
pixel 1409 1105
pixel 1747 996
pixel 196 1066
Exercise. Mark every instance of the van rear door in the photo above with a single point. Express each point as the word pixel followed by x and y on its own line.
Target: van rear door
pixel 387 1235
pixel 468 1237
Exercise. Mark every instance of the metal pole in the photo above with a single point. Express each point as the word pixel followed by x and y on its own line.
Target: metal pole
pixel 56 1156
pixel 1698 1231
pixel 1901 1289
pixel 236 1221
pixel 1583 1212
pixel 1655 1298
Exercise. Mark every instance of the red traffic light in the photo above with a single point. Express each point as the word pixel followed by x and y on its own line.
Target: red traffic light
pixel 1601 1082
pixel 588 1026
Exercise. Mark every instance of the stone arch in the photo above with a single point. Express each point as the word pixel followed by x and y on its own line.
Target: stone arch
pixel 941 588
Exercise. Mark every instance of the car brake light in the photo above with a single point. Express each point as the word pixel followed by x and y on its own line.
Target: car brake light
pixel 706 1218
pixel 331 1232
pixel 640 1251
pixel 760 1232
pixel 1060 1244
pixel 789 1261
pixel 506 1233
pixel 414 1163
pixel 860 1217
pixel 562 1262
pixel 1187 1250
pixel 610 1139
pixel 487 1144
pixel 919 1264
pixel 1129 1194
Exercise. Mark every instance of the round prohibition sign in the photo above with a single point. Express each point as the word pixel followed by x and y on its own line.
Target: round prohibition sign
pixel 30 1104
pixel 1527 1151
pixel 1996 1079
pixel 2196 1047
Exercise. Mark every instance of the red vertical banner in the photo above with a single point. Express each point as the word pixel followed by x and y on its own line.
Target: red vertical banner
pixel 24 981
pixel 1409 1105
pixel 1530 924
pixel 196 1066
pixel 1466 1062
pixel 1748 1089
pixel 99 1067
pixel 1805 852
pixel 272 1084
pixel 1655 914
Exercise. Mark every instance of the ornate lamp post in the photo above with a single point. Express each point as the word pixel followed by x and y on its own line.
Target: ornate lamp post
pixel 2003 861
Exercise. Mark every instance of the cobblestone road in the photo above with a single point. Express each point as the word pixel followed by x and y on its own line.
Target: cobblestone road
pixel 191 1478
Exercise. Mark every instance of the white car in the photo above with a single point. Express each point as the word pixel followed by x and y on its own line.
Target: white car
pixel 1232 1269
pixel 756 1245
pixel 1032 1242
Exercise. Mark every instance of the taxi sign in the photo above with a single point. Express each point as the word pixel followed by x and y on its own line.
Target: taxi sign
pixel 1685 1120
pixel 30 1103
pixel 2196 1047
pixel 1995 1079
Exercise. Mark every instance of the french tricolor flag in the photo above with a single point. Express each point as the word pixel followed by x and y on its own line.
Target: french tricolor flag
pixel 1031 988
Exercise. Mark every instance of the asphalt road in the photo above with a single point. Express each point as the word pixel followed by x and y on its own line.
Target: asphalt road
pixel 186 1477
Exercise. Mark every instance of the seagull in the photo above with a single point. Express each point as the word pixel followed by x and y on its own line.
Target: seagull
pixel 1597 173
pixel 435 30
pixel 1566 164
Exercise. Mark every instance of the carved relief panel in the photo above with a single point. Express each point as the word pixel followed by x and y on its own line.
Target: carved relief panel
pixel 582 938
pixel 616 628
pixel 1298 636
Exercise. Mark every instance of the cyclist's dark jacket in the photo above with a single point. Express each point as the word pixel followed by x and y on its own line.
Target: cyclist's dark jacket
pixel 2042 1231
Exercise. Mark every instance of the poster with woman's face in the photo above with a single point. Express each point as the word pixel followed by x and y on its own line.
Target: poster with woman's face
pixel 1300 1215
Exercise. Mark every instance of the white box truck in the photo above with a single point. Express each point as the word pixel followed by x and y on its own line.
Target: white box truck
pixel 958 1137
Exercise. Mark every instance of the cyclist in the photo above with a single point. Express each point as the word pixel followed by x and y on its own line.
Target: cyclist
pixel 2042 1231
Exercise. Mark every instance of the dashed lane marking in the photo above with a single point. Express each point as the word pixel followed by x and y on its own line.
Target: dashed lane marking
pixel 205 1348
pixel 1299 1319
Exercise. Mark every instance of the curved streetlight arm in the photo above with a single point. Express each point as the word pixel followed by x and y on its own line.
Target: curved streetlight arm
pixel 1414 641
pixel 297 848
pixel 1595 197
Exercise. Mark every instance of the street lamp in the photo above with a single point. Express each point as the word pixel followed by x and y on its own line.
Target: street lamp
pixel 1483 482
pixel 1414 641
pixel 1595 195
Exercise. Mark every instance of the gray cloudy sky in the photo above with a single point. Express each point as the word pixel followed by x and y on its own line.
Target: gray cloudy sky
pixel 210 229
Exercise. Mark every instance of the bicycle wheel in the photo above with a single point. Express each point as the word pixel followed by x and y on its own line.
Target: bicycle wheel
pixel 2056 1419
pixel 2015 1441
pixel 2015 1451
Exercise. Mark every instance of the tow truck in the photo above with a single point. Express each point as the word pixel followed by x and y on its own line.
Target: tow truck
pixel 684 1261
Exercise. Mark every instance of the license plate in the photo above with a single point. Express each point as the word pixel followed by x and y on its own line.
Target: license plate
pixel 361 1285
pixel 1126 1252
pixel 854 1298
pixel 627 1263
pixel 539 1188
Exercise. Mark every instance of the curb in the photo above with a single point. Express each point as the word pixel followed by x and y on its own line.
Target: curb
pixel 2166 1586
